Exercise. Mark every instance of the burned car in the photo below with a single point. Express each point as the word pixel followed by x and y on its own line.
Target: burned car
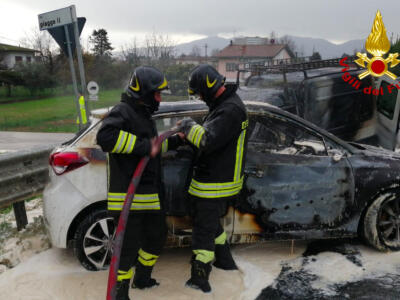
pixel 301 182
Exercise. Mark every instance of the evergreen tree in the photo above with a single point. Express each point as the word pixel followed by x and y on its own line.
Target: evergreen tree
pixel 101 45
pixel 315 56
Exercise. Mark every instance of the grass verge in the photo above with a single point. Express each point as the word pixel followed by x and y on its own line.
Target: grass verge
pixel 53 114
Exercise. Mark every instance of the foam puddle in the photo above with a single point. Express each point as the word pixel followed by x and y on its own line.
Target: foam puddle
pixel 352 272
pixel 56 274
pixel 18 246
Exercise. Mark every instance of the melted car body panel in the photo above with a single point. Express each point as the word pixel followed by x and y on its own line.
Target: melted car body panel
pixel 304 190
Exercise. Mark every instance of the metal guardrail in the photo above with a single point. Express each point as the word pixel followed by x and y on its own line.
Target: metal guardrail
pixel 23 174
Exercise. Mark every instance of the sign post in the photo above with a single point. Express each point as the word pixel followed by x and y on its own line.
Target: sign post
pixel 73 74
pixel 79 56
pixel 60 23
pixel 93 89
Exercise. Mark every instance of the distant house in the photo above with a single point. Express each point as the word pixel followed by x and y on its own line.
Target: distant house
pixel 11 55
pixel 236 56
pixel 195 60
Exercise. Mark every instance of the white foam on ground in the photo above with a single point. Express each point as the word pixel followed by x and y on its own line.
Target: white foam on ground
pixel 19 246
pixel 334 268
pixel 261 264
pixel 56 274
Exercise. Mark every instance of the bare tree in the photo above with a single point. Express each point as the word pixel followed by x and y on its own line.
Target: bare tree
pixel 42 42
pixel 196 51
pixel 131 53
pixel 214 52
pixel 286 40
pixel 158 46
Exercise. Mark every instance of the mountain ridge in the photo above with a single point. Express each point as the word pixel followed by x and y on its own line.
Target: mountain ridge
pixel 304 46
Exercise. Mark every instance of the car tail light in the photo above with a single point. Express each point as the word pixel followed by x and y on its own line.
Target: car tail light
pixel 63 162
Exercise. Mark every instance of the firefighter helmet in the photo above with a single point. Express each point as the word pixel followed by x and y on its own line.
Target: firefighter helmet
pixel 205 81
pixel 145 81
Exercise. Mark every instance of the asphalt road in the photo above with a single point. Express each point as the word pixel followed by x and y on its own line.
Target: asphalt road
pixel 12 141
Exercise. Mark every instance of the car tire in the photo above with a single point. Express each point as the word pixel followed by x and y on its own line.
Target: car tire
pixel 381 223
pixel 93 240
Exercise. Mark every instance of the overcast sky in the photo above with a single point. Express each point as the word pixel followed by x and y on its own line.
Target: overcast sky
pixel 186 20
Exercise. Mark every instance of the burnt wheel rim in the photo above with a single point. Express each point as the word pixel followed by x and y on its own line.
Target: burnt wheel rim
pixel 388 222
pixel 97 242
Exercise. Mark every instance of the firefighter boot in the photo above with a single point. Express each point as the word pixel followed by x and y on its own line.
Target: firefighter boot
pixel 142 278
pixel 199 277
pixel 122 289
pixel 223 258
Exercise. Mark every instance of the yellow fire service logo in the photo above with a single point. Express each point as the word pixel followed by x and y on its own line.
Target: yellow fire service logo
pixel 378 45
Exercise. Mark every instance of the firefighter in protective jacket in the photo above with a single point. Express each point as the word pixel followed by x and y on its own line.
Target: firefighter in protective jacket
pixel 128 133
pixel 218 172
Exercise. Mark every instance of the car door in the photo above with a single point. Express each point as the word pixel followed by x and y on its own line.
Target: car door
pixel 294 181
pixel 388 110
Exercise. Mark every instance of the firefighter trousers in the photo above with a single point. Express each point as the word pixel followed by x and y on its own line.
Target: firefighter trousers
pixel 144 239
pixel 207 228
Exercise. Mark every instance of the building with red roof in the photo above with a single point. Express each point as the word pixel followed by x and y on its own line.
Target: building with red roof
pixel 236 56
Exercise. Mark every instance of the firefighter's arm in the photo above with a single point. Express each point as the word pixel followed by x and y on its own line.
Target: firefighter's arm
pixel 216 133
pixel 113 139
pixel 171 143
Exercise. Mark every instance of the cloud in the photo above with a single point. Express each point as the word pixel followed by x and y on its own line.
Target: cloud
pixel 334 20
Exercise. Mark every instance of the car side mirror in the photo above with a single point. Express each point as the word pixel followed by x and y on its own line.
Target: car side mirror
pixel 336 154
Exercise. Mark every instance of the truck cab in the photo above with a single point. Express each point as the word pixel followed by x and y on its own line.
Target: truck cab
pixel 320 93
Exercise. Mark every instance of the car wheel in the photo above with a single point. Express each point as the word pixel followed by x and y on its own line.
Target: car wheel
pixel 93 240
pixel 382 222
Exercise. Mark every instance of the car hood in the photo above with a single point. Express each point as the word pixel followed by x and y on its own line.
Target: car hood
pixel 375 151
